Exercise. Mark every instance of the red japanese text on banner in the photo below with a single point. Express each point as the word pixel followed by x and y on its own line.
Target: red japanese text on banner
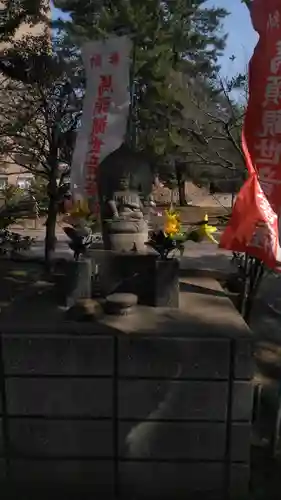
pixel 105 112
pixel 261 141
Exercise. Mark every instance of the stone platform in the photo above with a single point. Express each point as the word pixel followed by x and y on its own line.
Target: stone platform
pixel 153 405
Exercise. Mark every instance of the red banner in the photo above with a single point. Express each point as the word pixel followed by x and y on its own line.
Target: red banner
pixel 253 226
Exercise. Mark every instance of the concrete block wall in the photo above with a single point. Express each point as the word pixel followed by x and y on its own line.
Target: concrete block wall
pixel 145 417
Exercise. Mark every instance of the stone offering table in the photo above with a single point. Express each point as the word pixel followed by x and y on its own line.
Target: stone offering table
pixel 153 405
pixel 154 281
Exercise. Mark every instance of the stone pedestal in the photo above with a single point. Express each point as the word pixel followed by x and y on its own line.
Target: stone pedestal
pixel 120 303
pixel 127 242
pixel 158 408
pixel 166 283
pixel 78 282
pixel 154 282
pixel 125 236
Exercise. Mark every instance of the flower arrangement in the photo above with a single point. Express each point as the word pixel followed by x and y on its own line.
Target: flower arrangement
pixel 80 214
pixel 83 233
pixel 173 223
pixel 172 238
pixel 203 231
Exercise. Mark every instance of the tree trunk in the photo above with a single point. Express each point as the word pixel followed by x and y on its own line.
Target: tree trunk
pixel 181 185
pixel 50 238
pixel 182 198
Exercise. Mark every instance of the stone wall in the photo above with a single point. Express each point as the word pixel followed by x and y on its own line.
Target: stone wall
pixel 144 417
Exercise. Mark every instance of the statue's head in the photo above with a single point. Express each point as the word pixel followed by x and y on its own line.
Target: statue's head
pixel 124 182
pixel 125 170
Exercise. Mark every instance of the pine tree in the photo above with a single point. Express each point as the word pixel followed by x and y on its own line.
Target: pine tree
pixel 180 36
pixel 181 33
pixel 248 3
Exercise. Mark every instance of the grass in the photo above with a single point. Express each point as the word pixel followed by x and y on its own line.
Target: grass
pixel 15 279
pixel 27 296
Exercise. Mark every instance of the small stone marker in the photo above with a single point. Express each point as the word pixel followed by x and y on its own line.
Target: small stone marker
pixel 120 303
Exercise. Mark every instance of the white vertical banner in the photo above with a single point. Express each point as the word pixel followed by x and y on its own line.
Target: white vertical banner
pixel 105 111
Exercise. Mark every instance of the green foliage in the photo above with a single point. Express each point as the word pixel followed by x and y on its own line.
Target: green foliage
pixel 16 206
pixel 168 36
pixel 15 13
pixel 166 245
pixel 215 121
pixel 11 193
pixel 39 191
pixel 176 45
pixel 247 2
pixel 39 107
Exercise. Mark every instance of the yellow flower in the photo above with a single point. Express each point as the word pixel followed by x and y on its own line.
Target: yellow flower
pixel 173 225
pixel 80 209
pixel 206 231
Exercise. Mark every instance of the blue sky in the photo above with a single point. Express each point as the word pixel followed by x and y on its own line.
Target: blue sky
pixel 242 38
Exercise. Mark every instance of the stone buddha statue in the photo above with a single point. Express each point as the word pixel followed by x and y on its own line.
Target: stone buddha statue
pixel 124 225
pixel 126 207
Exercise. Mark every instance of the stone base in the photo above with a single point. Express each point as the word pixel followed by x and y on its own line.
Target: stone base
pixel 155 282
pixel 78 282
pixel 127 242
pixel 159 404
pixel 166 283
